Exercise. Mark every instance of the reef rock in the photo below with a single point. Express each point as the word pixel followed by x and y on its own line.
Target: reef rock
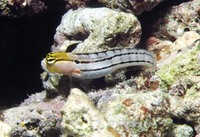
pixel 182 131
pixel 161 103
pixel 181 60
pixel 177 20
pixel 35 117
pixel 5 130
pixel 166 51
pixel 76 3
pixel 16 8
pixel 134 6
pixel 146 105
pixel 96 29
pixel 81 118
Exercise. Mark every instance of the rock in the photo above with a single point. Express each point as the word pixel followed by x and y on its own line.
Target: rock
pixel 177 20
pixel 183 131
pixel 35 117
pixel 167 53
pixel 179 75
pixel 181 62
pixel 5 130
pixel 91 30
pixel 81 118
pixel 55 84
pixel 147 104
pixel 96 29
pixel 138 114
pixel 74 4
pixel 16 8
pixel 135 6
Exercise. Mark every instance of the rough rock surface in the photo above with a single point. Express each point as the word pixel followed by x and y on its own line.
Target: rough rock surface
pixel 96 29
pixel 5 130
pixel 166 52
pixel 16 8
pixel 182 131
pixel 147 104
pixel 76 3
pixel 35 117
pixel 81 118
pixel 134 6
pixel 177 20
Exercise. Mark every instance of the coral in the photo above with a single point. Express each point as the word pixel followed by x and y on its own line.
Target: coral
pixel 16 8
pixel 96 29
pixel 177 20
pixel 5 129
pixel 134 6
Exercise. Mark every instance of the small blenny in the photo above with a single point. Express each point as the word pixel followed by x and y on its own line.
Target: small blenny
pixel 99 64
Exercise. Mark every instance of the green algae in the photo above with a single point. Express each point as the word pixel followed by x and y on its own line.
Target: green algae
pixel 192 92
pixel 182 67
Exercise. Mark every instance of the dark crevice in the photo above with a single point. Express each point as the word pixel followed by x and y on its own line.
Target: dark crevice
pixel 147 19
pixel 182 121
pixel 24 42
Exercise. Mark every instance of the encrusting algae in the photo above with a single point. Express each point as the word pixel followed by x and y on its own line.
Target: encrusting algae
pixel 184 67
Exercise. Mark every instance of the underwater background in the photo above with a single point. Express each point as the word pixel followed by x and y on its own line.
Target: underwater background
pixel 157 101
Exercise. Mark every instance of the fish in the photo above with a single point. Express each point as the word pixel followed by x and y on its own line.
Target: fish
pixel 98 64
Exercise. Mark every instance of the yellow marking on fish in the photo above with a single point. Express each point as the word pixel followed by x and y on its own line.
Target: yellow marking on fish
pixel 55 62
pixel 99 64
pixel 57 56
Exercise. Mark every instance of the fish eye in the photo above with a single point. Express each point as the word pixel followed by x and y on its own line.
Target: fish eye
pixel 50 58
